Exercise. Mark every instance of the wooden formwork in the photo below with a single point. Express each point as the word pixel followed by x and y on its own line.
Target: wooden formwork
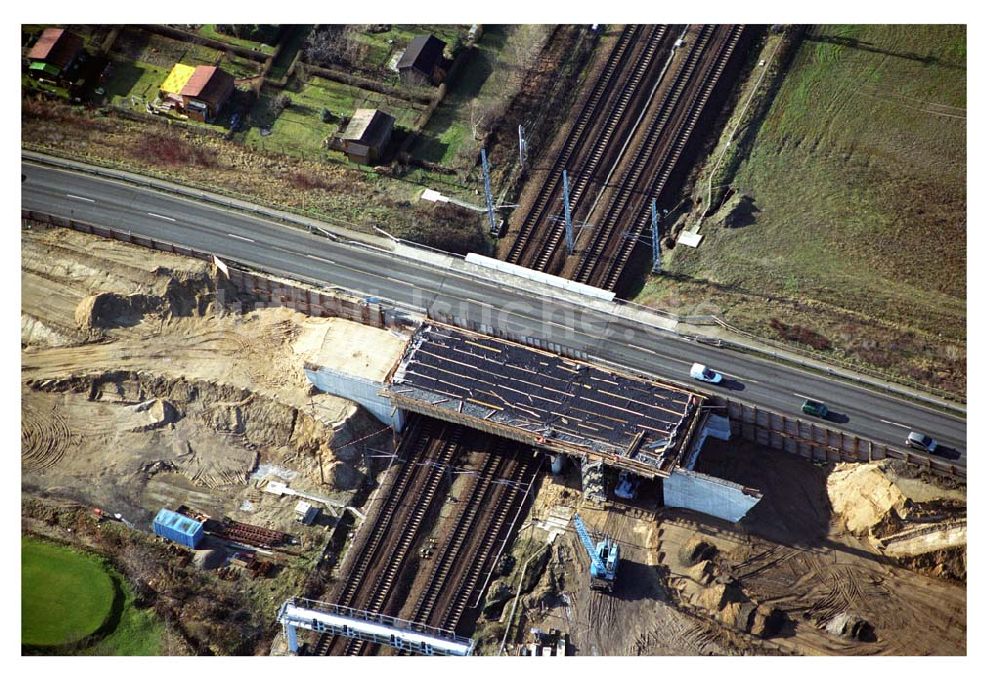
pixel 817 442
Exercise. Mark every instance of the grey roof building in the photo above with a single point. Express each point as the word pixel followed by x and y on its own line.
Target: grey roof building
pixel 366 136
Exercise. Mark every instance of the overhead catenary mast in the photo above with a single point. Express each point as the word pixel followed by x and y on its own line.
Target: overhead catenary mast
pixel 657 262
pixel 566 215
pixel 490 207
pixel 522 147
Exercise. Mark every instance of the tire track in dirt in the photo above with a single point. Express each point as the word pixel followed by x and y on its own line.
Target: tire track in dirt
pixel 44 437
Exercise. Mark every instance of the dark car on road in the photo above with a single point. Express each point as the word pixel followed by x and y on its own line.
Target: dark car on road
pixel 922 442
pixel 814 408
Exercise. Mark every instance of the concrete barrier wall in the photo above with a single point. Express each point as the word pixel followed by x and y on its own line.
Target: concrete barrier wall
pixel 817 442
pixel 364 392
pixel 709 495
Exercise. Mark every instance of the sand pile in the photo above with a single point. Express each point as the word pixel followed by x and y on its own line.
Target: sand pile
pixel 864 496
pixel 169 297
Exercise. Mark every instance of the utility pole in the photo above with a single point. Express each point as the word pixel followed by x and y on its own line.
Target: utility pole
pixel 522 146
pixel 657 263
pixel 489 194
pixel 566 215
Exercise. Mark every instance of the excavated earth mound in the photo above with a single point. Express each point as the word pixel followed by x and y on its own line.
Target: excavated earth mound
pixel 863 496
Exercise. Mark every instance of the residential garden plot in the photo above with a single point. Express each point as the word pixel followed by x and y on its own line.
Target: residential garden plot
pixel 132 83
pixel 264 46
pixel 377 49
pixel 300 128
pixel 855 207
pixel 151 50
pixel 93 35
pixel 484 87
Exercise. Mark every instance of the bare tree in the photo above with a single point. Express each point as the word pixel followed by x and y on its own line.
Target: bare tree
pixel 329 45
pixel 139 566
pixel 483 117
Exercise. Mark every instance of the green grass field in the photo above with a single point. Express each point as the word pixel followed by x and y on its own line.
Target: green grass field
pixel 857 176
pixel 66 595
pixel 139 632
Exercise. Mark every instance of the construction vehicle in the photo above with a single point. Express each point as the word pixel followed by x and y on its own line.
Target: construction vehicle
pixel 603 557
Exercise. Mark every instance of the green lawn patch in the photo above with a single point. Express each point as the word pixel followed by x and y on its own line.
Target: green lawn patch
pixel 208 31
pixel 139 632
pixel 31 83
pixel 66 595
pixel 134 79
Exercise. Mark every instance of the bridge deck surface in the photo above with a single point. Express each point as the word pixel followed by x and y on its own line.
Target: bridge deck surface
pixel 551 398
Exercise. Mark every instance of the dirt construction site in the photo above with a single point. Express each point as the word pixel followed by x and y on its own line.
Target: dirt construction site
pixel 147 383
pixel 138 392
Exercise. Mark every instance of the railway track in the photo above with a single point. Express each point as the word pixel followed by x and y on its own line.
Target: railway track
pixel 503 514
pixel 382 572
pixel 383 534
pixel 622 58
pixel 409 526
pixel 596 154
pixel 665 172
pixel 595 100
pixel 457 540
pixel 475 538
pixel 673 107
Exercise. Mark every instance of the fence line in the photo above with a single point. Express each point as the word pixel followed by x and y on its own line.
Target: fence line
pixel 820 443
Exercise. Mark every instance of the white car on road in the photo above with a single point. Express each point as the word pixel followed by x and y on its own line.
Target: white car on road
pixel 703 373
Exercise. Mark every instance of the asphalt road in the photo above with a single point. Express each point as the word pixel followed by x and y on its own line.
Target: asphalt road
pixel 281 248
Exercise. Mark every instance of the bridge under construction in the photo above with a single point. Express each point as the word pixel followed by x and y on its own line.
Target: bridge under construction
pixel 552 403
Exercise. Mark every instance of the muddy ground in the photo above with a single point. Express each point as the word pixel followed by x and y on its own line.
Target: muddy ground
pixel 813 569
pixel 140 390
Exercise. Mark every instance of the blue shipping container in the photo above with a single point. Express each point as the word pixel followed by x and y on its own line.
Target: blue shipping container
pixel 178 528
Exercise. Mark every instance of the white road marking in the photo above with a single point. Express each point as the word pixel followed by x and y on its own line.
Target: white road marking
pixel 737 378
pixel 161 216
pixel 240 237
pixel 320 258
pixel 808 397
pixel 408 284
pixel 645 350
pixel 80 197
pixel 900 425
pixel 675 359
